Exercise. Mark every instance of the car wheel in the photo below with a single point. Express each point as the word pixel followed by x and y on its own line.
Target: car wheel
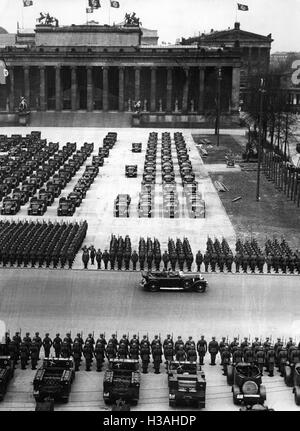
pixel 263 393
pixel 199 287
pixel 153 287
pixel 235 393
pixel 230 375
pixel 187 285
pixel 297 395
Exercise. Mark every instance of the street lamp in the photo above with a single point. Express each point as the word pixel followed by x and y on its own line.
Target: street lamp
pixel 261 95
pixel 219 78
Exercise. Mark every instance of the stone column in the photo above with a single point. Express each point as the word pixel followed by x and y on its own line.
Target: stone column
pixel 89 89
pixel 185 90
pixel 235 93
pixel 121 88
pixel 43 103
pixel 26 84
pixel 105 88
pixel 169 88
pixel 58 103
pixel 201 90
pixel 153 90
pixel 11 89
pixel 137 83
pixel 73 88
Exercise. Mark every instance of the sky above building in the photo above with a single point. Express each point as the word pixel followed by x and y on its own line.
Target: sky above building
pixel 172 18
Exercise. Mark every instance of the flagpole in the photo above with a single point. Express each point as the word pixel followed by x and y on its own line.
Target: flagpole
pixel 22 6
pixel 109 12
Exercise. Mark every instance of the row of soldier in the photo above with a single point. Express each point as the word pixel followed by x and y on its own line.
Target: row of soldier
pixel 263 354
pixel 218 255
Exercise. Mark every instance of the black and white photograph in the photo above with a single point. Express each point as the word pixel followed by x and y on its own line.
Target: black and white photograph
pixel 149 208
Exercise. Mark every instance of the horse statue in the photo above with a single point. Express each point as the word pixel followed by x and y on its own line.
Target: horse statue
pixel 46 19
pixel 132 19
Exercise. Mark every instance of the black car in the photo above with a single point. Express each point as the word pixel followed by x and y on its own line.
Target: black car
pixel 66 207
pixel 136 147
pixel 131 171
pixel 20 195
pixel 173 280
pixel 47 196
pixel 75 197
pixel 37 207
pixel 10 206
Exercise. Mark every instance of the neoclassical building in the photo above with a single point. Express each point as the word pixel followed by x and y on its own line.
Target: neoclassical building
pixel 98 69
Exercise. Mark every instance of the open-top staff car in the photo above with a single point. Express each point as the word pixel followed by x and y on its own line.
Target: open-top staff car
pixel 37 206
pixel 54 379
pixel 131 171
pixel 122 380
pixel 121 205
pixel 246 384
pixel 6 373
pixel 10 206
pixel 173 280
pixel 187 385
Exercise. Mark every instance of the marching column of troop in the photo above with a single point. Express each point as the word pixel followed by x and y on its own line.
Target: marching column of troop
pixel 264 354
pixel 179 256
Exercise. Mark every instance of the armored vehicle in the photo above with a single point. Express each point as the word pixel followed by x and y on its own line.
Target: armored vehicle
pixel 54 379
pixel 122 380
pixel 187 386
pixel 173 280
pixel 6 374
pixel 246 384
pixel 66 207
pixel 136 147
pixel 37 206
pixel 131 171
pixel 10 206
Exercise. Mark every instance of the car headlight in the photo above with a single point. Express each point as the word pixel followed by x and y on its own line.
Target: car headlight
pixel 172 396
pixel 250 388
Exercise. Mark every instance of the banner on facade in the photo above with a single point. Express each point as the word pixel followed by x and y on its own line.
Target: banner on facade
pixel 3 72
pixel 243 7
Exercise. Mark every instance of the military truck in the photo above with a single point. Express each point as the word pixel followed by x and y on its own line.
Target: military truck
pixel 187 385
pixel 6 374
pixel 54 379
pixel 246 384
pixel 122 381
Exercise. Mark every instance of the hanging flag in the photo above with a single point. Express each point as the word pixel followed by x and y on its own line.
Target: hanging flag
pixel 3 72
pixel 27 3
pixel 94 4
pixel 89 10
pixel 114 3
pixel 243 7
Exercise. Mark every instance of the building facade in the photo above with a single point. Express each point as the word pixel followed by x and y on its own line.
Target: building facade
pixel 106 68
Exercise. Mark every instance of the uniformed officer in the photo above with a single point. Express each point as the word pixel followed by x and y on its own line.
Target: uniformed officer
pixel 102 340
pixel 122 350
pixel 47 343
pixel 17 339
pixel 68 339
pixel 165 258
pixel 191 354
pixel 225 359
pixel 213 348
pixel 90 339
pixel 127 257
pixel 229 261
pixel 111 350
pixel 237 355
pixel 134 340
pixel 173 260
pixel 134 258
pixel 244 344
pixel 289 343
pixel 248 355
pixel 99 355
pixel 260 359
pixel 114 340
pixel 98 258
pixel 213 261
pixel 201 349
pixel 270 360
pixel 269 260
pixel 24 355
pixel 179 342
pixel 34 354
pixel 155 340
pixel 282 359
pixel 180 354
pixel 157 355
pixel 119 258
pixel 57 343
pixel 85 258
pixel 105 258
pixel 168 340
pixel 145 341
pixel 222 346
pixel 77 353
pixel 157 260
pixel 168 351
pixel 145 356
pixel 38 341
pixel 206 260
pixel 66 349
pixel 125 341
pixel 92 254
pixel 233 344
pixel 199 260
pixel 27 340
pixel 142 258
pixel 190 342
pixel 134 350
pixel 78 339
pixel 237 260
pixel 221 261
pixel 88 355
pixel 13 352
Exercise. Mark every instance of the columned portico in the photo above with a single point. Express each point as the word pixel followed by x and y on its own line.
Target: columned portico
pixel 11 89
pixel 185 90
pixel 58 102
pixel 121 88
pixel 105 88
pixel 235 94
pixel 89 89
pixel 169 88
pixel 201 90
pixel 73 88
pixel 153 89
pixel 42 89
pixel 26 83
pixel 137 83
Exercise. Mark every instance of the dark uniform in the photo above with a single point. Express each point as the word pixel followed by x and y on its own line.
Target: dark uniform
pixel 213 348
pixel 134 258
pixel 145 357
pixel 270 361
pixel 99 355
pixel 199 260
pixel 180 354
pixel 24 355
pixel 47 343
pixel 225 359
pixel 38 341
pixel 134 351
pixel 88 354
pixel 168 351
pixel 282 359
pixel 165 258
pixel 105 258
pixel 191 354
pixel 34 354
pixel 269 260
pixel 206 260
pixel 260 359
pixel 13 351
pixel 156 355
pixel 237 260
pixel 201 349
pixel 57 342
pixel 111 350
pixel 249 355
pixel 98 258
pixel 92 254
pixel 85 258
pixel 237 356
pixel 77 353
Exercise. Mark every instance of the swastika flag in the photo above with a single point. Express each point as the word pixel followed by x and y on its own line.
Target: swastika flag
pixel 243 7
pixel 95 4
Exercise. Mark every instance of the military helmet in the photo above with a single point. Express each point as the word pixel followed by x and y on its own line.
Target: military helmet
pixel 145 337
pixel 47 334
pixel 101 335
pixel 179 337
pixel 37 333
pixel 57 335
pixel 213 338
pixel 27 334
pixel 78 335
pixel 68 334
pixel 190 337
